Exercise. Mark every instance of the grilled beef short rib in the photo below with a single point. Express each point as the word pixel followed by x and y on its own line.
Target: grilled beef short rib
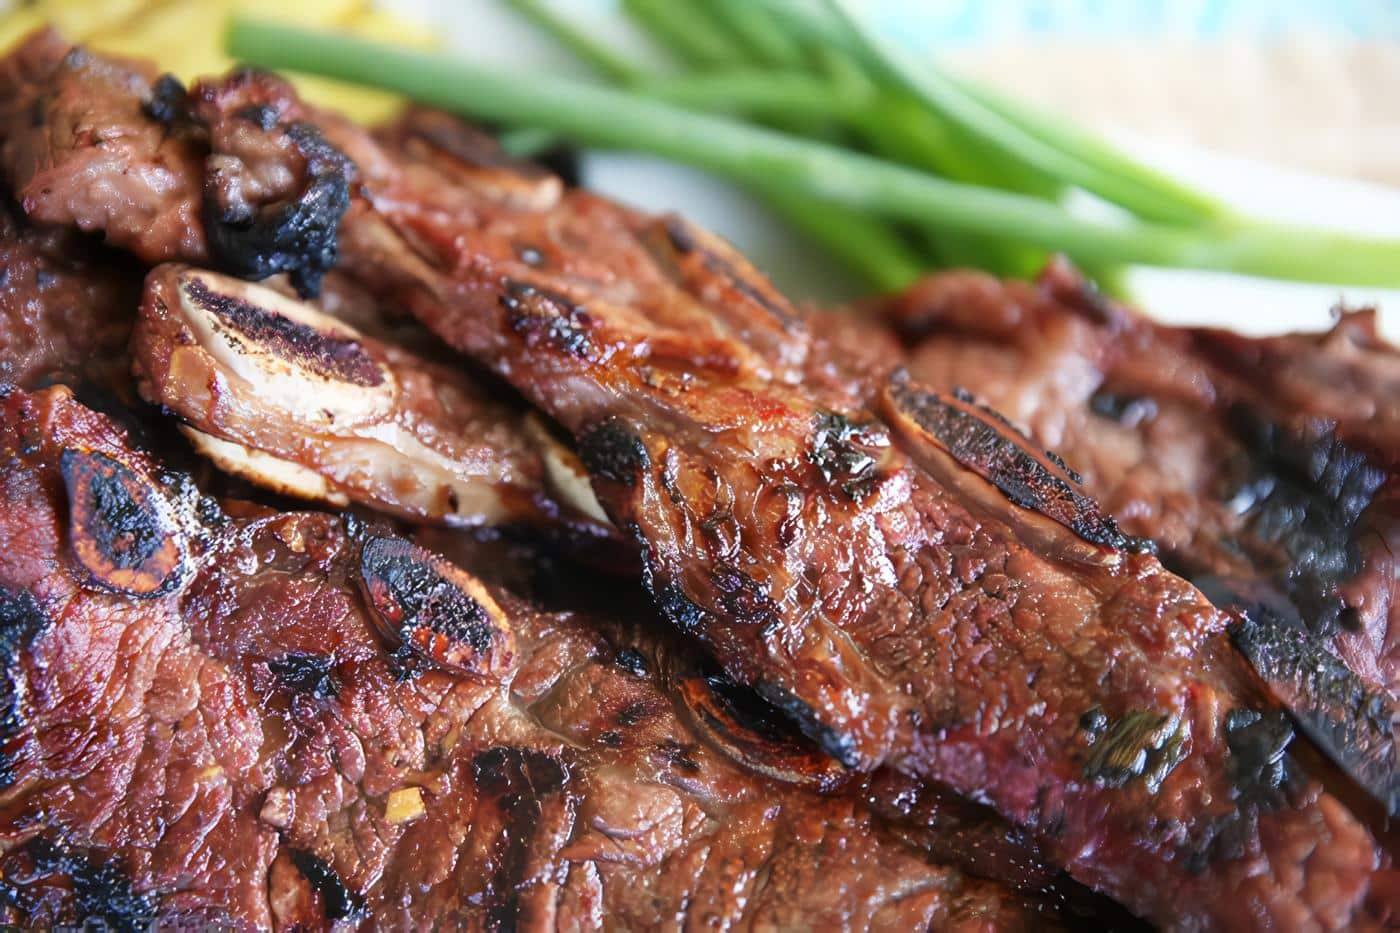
pixel 896 568
pixel 1263 469
pixel 217 713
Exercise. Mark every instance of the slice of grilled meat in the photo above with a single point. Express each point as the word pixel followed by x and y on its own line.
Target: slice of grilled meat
pixel 1265 470
pixel 215 713
pixel 100 144
pixel 290 397
pixel 896 567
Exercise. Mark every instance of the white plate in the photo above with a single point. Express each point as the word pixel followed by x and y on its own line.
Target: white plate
pixel 485 31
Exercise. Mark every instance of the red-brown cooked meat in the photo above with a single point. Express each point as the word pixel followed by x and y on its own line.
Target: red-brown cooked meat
pixel 66 307
pixel 1265 469
pixel 914 583
pixel 91 141
pixel 897 568
pixel 217 713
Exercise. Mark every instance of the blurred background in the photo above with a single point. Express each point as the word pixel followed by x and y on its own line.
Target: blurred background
pixel 1289 109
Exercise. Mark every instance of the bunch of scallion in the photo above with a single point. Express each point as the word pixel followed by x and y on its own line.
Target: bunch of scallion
pixel 891 163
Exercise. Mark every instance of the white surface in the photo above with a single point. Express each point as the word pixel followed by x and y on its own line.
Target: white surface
pixel 485 31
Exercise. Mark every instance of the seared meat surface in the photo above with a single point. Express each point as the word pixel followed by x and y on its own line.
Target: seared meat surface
pixel 218 713
pixel 895 567
pixel 1265 470
pixel 292 398
pixel 96 143
pixel 65 306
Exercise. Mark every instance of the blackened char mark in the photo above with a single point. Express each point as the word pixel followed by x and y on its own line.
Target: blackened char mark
pixel 1141 745
pixel 1301 494
pixel 1263 778
pixel 685 241
pixel 986 443
pixel 1353 724
pixel 742 599
pixel 168 101
pixel 101 892
pixel 120 526
pixel 297 235
pixel 675 607
pixel 840 450
pixel 338 900
pixel 430 606
pixel 528 791
pixel 740 723
pixel 312 674
pixel 1259 765
pixel 838 746
pixel 547 317
pixel 328 354
pixel 21 621
pixel 612 450
pixel 631 661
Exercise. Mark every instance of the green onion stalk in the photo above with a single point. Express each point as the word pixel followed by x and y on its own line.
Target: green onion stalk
pixel 609 118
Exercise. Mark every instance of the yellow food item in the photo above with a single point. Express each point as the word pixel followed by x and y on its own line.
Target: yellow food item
pixel 186 37
pixel 404 804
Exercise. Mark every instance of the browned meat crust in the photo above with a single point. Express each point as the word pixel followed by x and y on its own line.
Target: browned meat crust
pixel 82 147
pixel 339 415
pixel 65 307
pixel 1264 469
pixel 900 580
pixel 205 722
pixel 225 173
pixel 897 568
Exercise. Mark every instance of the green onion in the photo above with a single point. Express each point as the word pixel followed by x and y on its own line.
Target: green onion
pixel 598 56
pixel 527 142
pixel 865 246
pixel 766 41
pixel 1140 194
pixel 689 34
pixel 609 118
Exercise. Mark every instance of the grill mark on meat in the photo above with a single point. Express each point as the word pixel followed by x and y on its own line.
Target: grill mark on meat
pixel 121 527
pixel 1259 765
pixel 523 785
pixel 425 604
pixel 167 101
pixel 743 599
pixel 339 901
pixel 101 891
pixel 631 661
pixel 1263 778
pixel 1303 495
pixel 735 719
pixel 840 747
pixel 541 315
pixel 984 441
pixel 613 451
pixel 838 451
pixel 685 240
pixel 329 354
pixel 21 621
pixel 1352 721
pixel 302 672
pixel 263 116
